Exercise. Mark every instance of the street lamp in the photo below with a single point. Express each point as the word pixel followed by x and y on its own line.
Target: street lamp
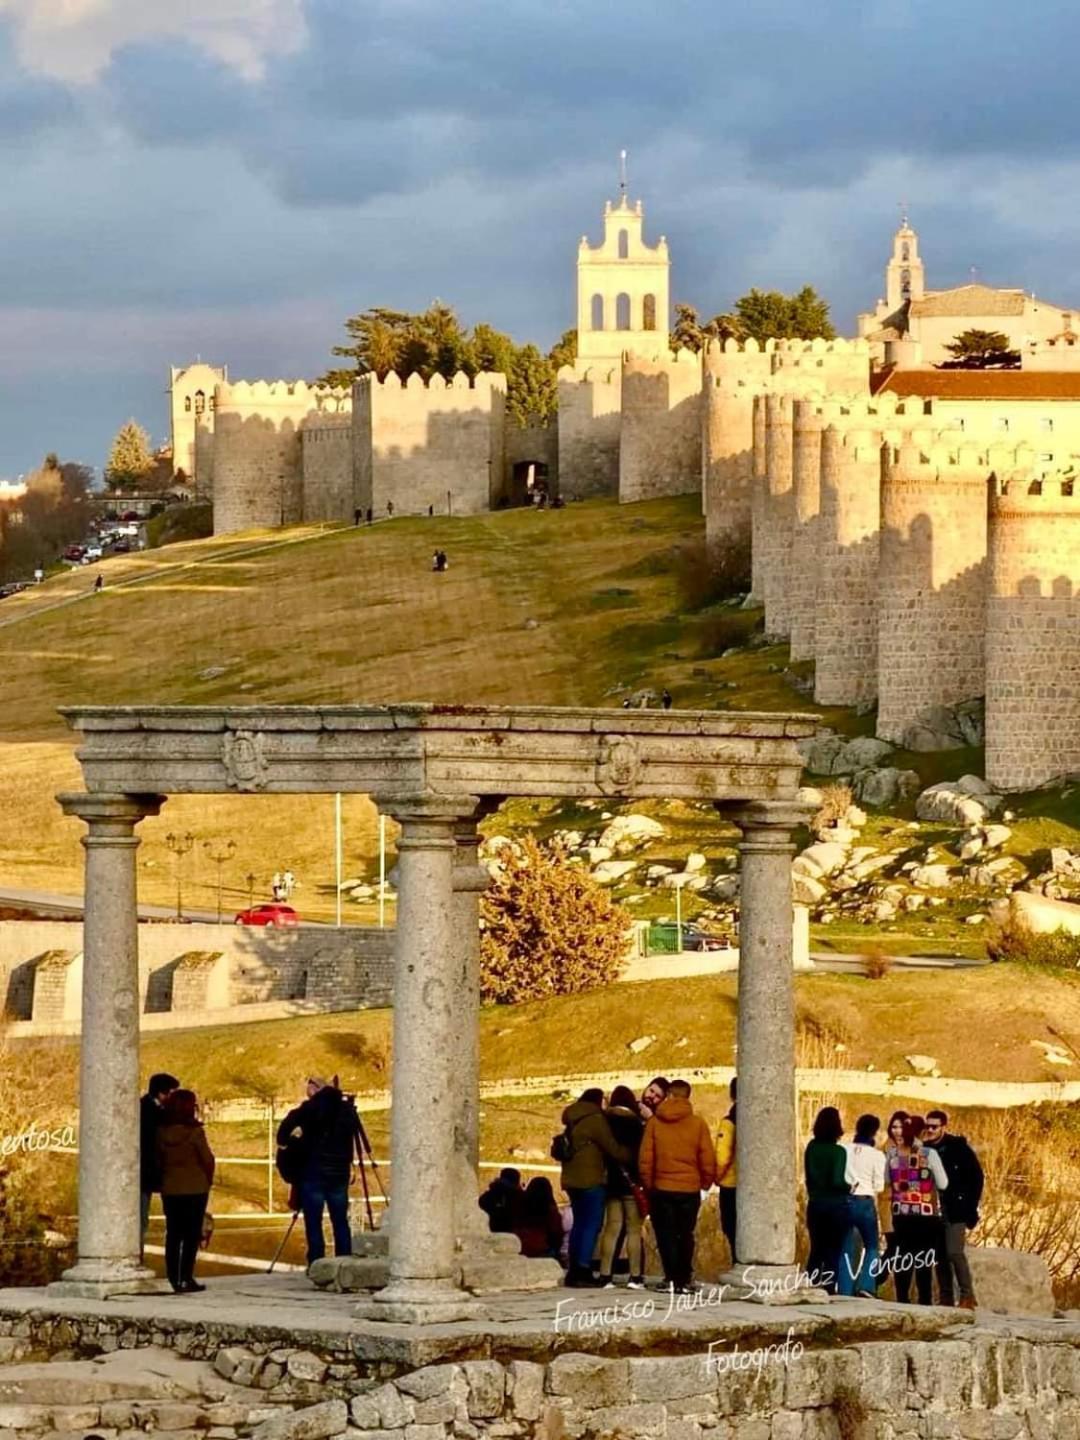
pixel 250 879
pixel 179 845
pixel 219 856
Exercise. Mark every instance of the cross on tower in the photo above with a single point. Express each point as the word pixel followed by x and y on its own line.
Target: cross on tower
pixel 902 205
pixel 622 174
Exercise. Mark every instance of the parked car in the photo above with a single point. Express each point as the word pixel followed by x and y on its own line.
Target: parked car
pixel 698 940
pixel 269 914
pixel 74 553
pixel 92 552
pixel 121 547
pixel 130 515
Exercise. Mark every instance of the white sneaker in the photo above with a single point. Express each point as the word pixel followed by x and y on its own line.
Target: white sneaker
pixel 635 1285
pixel 611 1285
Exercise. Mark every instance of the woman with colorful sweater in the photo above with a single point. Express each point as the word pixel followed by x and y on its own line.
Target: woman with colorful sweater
pixel 827 1190
pixel 916 1178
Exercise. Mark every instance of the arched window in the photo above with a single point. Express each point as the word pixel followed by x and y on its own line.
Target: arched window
pixel 200 402
pixel 597 321
pixel 905 284
pixel 905 251
pixel 187 404
pixel 622 312
pixel 648 312
pixel 624 245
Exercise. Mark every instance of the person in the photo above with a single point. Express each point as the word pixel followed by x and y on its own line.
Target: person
pixel 186 1164
pixel 539 1225
pixel 824 1166
pixel 326 1128
pixel 916 1179
pixel 358 515
pixel 960 1208
pixel 276 887
pixel 621 1213
pixel 99 584
pixel 370 515
pixel 501 1201
pixel 865 1173
pixel 726 1173
pixel 431 511
pixel 389 509
pixel 444 563
pixel 584 1176
pixel 654 1093
pixel 665 699
pixel 288 883
pixel 151 1111
pixel 677 1162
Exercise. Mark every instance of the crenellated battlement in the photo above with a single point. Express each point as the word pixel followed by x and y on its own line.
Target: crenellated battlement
pixel 934 453
pixel 237 394
pixel 484 380
pixel 1035 494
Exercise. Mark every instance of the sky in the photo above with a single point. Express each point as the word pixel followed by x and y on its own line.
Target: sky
pixel 231 179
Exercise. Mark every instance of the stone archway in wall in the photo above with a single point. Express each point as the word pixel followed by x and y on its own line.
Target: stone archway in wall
pixel 437 769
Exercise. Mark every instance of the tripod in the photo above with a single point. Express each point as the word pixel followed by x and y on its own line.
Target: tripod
pixel 363 1146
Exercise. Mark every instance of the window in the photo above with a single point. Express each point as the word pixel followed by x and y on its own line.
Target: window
pixel 1047 457
pixel 200 402
pixel 649 312
pixel 597 312
pixel 1046 423
pixel 905 251
pixel 624 245
pixel 1001 423
pixel 905 284
pixel 622 312
pixel 187 404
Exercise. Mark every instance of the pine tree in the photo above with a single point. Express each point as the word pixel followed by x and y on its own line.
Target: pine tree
pixel 129 458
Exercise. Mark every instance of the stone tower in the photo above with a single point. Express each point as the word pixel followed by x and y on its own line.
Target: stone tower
pixel 905 278
pixel 191 405
pixel 623 284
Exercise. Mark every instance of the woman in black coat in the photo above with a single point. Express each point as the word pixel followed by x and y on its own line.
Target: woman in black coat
pixel 621 1213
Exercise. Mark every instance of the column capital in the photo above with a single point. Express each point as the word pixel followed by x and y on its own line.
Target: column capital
pixel 111 813
pixel 765 822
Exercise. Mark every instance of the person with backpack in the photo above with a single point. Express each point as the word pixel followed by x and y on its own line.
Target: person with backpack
pixel 959 1207
pixel 583 1150
pixel 317 1143
pixel 501 1201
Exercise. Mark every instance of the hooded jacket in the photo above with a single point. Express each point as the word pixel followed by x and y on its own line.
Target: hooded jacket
pixel 591 1146
pixel 677 1150
pixel 185 1160
pixel 328 1128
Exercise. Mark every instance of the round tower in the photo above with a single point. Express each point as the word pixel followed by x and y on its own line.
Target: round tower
pixel 730 379
pixel 758 485
pixel 778 514
pixel 1033 632
pixel 932 579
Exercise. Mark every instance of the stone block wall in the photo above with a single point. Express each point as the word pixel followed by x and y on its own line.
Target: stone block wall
pixel 732 376
pixel 530 445
pixel 258 461
pixel 660 439
pixel 438 445
pixel 327 460
pixel 1033 633
pixel 200 980
pixel 931 580
pixel 590 423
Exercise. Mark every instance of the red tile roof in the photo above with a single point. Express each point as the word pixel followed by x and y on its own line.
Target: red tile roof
pixel 982 384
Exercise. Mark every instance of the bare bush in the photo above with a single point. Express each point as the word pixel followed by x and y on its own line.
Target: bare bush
pixel 876 964
pixel 707 573
pixel 836 800
pixel 1011 939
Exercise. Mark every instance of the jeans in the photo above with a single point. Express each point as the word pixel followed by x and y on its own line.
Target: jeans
pixel 183 1231
pixel 863 1222
pixel 727 1216
pixel 316 1192
pixel 827 1219
pixel 954 1233
pixel 674 1216
pixel 587 1205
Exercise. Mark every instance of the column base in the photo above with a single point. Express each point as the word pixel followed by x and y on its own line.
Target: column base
pixel 483 1265
pixel 771 1285
pixel 100 1279
pixel 418 1302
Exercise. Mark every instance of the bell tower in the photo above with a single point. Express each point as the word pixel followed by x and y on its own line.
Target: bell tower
pixel 904 276
pixel 623 289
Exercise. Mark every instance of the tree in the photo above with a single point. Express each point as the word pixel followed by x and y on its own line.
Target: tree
pixel 564 351
pixel 981 350
pixel 548 928
pixel 54 512
pixel 691 334
pixel 771 315
pixel 532 390
pixel 129 458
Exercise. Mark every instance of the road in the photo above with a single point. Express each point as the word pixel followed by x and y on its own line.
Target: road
pixel 47 902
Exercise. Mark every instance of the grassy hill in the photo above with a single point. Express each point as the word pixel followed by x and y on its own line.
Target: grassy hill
pixel 576 606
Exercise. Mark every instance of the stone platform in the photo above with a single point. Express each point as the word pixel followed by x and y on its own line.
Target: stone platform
pixel 274 1352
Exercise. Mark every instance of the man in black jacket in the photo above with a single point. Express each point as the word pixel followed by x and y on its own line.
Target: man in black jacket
pixel 326 1128
pixel 158 1089
pixel 959 1207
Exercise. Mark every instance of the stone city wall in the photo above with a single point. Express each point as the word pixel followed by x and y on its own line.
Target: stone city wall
pixel 660 440
pixel 438 445
pixel 329 488
pixel 1033 633
pixel 198 967
pixel 590 421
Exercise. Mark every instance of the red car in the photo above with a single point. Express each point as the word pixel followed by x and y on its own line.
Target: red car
pixel 270 914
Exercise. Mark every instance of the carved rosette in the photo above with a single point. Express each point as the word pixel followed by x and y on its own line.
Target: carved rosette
pixel 619 766
pixel 246 766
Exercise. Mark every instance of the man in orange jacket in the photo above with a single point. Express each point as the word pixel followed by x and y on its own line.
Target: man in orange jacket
pixel 676 1163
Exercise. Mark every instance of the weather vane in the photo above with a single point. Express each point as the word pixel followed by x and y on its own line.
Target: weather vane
pixel 622 173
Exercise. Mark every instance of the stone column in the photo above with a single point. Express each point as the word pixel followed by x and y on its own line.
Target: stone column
pixel 765 1062
pixel 427 968
pixel 470 880
pixel 109 1222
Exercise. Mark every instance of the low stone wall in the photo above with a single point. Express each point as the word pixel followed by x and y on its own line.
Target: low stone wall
pixel 880 1373
pixel 198 968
